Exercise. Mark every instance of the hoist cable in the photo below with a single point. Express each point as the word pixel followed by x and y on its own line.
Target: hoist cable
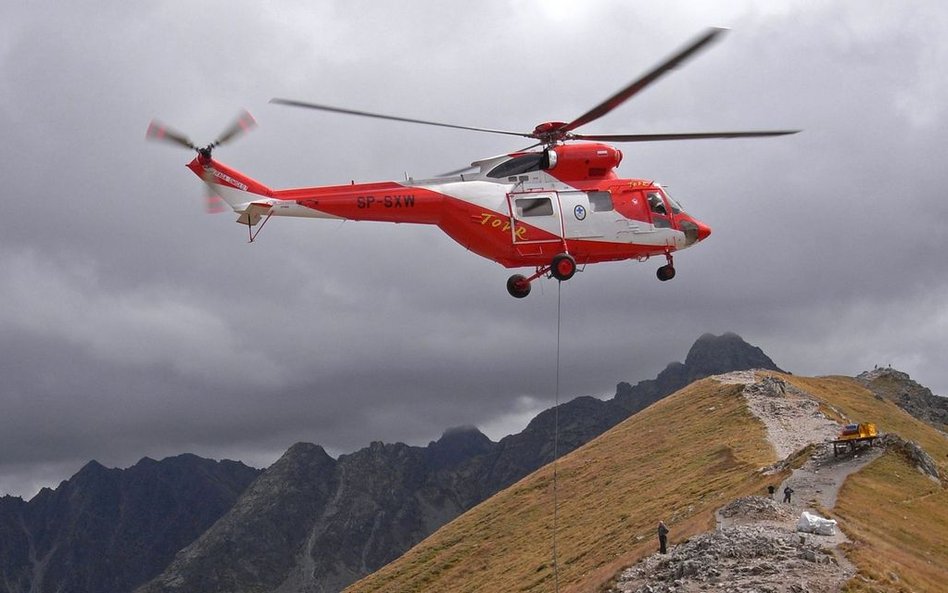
pixel 556 435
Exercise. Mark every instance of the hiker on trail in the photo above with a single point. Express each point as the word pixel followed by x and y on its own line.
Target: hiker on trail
pixel 662 538
pixel 770 490
pixel 786 494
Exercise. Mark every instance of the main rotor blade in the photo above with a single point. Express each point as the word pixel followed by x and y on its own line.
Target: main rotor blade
pixel 623 95
pixel 244 123
pixel 293 103
pixel 685 136
pixel 160 132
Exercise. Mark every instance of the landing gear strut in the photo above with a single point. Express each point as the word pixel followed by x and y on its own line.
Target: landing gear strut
pixel 563 267
pixel 666 272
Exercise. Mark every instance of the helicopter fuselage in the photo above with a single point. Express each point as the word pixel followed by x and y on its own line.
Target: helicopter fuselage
pixel 519 210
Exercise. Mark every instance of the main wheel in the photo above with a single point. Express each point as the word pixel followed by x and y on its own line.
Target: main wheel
pixel 517 286
pixel 563 267
pixel 665 273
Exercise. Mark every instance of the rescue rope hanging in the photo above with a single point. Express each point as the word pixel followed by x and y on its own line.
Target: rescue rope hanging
pixel 556 435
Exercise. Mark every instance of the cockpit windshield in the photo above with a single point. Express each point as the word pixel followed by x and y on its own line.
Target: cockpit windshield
pixel 675 205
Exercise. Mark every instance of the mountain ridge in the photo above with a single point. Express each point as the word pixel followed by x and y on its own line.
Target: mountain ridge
pixel 391 496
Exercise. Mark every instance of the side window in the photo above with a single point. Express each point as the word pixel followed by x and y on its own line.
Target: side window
pixel 534 207
pixel 600 201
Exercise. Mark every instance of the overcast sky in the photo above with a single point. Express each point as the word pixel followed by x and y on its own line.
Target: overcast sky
pixel 133 324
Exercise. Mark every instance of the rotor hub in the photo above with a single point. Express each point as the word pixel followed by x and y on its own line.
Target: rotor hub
pixel 550 132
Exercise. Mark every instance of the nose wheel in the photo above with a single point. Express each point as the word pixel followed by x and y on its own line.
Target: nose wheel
pixel 518 286
pixel 563 267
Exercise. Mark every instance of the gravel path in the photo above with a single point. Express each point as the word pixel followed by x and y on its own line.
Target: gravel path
pixel 756 546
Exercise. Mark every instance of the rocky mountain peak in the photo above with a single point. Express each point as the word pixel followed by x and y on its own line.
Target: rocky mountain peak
pixel 899 388
pixel 712 355
pixel 458 444
pixel 91 469
pixel 709 355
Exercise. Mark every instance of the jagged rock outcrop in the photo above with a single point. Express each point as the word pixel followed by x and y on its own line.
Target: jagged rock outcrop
pixel 739 558
pixel 913 453
pixel 109 530
pixel 915 399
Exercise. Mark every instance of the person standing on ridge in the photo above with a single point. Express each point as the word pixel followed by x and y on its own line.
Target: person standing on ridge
pixel 786 494
pixel 662 538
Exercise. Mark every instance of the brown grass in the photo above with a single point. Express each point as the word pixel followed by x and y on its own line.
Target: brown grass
pixel 896 517
pixel 898 521
pixel 678 460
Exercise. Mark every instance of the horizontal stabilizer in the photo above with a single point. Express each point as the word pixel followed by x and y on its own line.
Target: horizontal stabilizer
pixel 252 215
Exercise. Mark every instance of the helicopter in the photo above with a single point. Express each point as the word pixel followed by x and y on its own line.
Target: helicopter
pixel 555 205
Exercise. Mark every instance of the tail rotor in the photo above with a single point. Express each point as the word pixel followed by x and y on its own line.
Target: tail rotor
pixel 160 132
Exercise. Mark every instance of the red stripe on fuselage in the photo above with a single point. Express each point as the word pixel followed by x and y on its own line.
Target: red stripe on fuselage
pixel 384 202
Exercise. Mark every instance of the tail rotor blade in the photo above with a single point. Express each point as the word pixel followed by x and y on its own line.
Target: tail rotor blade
pixel 159 132
pixel 244 123
pixel 213 200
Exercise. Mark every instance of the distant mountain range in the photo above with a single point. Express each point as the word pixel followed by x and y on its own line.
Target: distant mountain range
pixel 311 523
pixel 307 523
pixel 111 530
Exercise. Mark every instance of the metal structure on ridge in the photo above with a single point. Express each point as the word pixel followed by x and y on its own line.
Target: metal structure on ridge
pixel 554 206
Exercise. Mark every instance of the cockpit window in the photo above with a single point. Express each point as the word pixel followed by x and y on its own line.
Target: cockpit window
pixel 656 204
pixel 659 213
pixel 600 201
pixel 524 163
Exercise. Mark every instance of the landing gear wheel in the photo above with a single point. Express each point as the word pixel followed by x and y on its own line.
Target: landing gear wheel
pixel 563 267
pixel 665 273
pixel 518 286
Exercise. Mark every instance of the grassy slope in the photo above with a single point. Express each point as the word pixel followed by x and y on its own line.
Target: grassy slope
pixel 896 517
pixel 679 460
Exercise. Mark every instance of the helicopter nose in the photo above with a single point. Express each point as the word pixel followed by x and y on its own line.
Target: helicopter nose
pixel 704 231
pixel 694 230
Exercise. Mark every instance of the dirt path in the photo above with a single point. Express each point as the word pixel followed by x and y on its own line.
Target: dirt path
pixel 819 480
pixel 756 546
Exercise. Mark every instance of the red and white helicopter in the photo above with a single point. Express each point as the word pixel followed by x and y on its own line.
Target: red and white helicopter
pixel 554 208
